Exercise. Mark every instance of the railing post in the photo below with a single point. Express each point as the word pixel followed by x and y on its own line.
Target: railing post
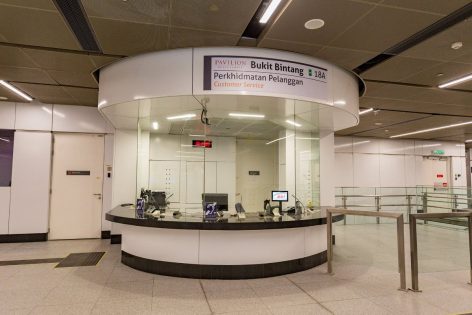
pixel 408 209
pixel 425 205
pixel 329 228
pixel 344 206
pixel 377 207
pixel 414 254
pixel 401 251
pixel 470 245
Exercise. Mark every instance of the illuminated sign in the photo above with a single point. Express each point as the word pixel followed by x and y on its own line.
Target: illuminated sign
pixel 202 144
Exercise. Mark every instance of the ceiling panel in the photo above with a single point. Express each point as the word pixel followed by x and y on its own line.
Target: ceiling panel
pixel 73 78
pixel 415 106
pixel 128 38
pixel 346 58
pixel 147 12
pixel 101 61
pixel 192 38
pixel 25 75
pixel 397 68
pixel 33 27
pixel 221 16
pixel 439 48
pixel 62 61
pixel 38 4
pixel 449 70
pixel 381 120
pixel 85 97
pixel 382 28
pixel 442 7
pixel 48 94
pixel 337 14
pixel 15 57
pixel 297 47
pixel 425 123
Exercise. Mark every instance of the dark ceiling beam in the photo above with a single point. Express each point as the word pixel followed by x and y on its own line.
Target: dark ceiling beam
pixel 58 85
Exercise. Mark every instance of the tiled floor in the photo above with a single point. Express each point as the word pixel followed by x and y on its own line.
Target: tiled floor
pixel 365 281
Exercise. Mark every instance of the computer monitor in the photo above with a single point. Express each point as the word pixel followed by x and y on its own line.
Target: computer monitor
pixel 220 199
pixel 280 195
pixel 159 199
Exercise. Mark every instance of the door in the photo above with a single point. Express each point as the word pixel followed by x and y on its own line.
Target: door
pixel 76 189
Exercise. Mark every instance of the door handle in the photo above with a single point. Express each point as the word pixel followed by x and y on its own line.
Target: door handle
pixel 98 195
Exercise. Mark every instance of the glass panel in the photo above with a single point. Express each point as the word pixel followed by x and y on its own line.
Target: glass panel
pixel 6 156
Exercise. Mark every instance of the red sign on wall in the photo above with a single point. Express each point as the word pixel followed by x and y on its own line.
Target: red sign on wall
pixel 202 144
pixel 439 175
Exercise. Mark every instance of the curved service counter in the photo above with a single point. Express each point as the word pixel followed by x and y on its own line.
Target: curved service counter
pixel 190 246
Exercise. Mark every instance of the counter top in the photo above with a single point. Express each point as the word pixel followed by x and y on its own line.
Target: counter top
pixel 195 221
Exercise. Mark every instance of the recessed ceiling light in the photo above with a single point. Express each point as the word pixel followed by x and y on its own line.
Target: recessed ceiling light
pixel 155 125
pixel 440 74
pixel 293 123
pixel 15 90
pixel 246 115
pixel 314 24
pixel 365 111
pixel 432 129
pixel 386 130
pixel 340 102
pixel 185 116
pixel 3 98
pixel 269 11
pixel 456 45
pixel 456 81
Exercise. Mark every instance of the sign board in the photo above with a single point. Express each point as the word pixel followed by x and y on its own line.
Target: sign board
pixel 265 76
pixel 438 152
pixel 439 175
pixel 254 173
pixel 77 172
pixel 202 144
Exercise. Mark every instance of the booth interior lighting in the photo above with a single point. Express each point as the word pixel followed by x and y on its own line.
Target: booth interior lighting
pixel 291 122
pixel 246 115
pixel 365 111
pixel 185 116
pixel 155 125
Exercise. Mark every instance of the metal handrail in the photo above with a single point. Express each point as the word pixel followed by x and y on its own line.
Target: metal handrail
pixel 414 240
pixel 400 236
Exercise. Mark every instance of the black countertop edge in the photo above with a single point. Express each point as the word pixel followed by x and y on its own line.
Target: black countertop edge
pixel 219 225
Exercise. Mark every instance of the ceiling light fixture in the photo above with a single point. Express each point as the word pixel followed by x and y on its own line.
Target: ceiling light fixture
pixel 467 141
pixel 269 11
pixel 246 115
pixel 3 98
pixel 155 125
pixel 431 129
pixel 349 144
pixel 456 81
pixel 456 45
pixel 15 90
pixel 185 116
pixel 196 135
pixel 314 24
pixel 365 111
pixel 293 123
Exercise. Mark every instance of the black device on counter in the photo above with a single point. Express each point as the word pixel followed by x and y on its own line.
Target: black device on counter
pixel 220 199
pixel 160 201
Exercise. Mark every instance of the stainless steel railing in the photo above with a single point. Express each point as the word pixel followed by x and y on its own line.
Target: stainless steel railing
pixel 414 241
pixel 400 236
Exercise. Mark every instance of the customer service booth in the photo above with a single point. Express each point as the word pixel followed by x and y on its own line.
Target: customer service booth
pixel 234 150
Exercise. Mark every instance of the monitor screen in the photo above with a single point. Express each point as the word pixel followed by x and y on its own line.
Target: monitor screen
pixel 280 195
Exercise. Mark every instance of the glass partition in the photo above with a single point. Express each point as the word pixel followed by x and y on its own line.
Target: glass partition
pixel 6 157
pixel 227 149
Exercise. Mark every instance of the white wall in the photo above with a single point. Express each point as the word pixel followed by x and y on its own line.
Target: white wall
pixel 255 155
pixel 24 207
pixel 371 162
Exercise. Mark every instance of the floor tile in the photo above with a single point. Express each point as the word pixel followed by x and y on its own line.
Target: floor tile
pixel 123 306
pixel 330 291
pixel 186 304
pixel 305 309
pixel 83 294
pixel 126 290
pixel 75 309
pixel 356 307
pixel 234 300
pixel 278 296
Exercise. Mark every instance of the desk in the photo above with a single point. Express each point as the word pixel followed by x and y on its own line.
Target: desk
pixel 223 248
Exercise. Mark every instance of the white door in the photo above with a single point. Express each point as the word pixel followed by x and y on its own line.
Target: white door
pixel 76 198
